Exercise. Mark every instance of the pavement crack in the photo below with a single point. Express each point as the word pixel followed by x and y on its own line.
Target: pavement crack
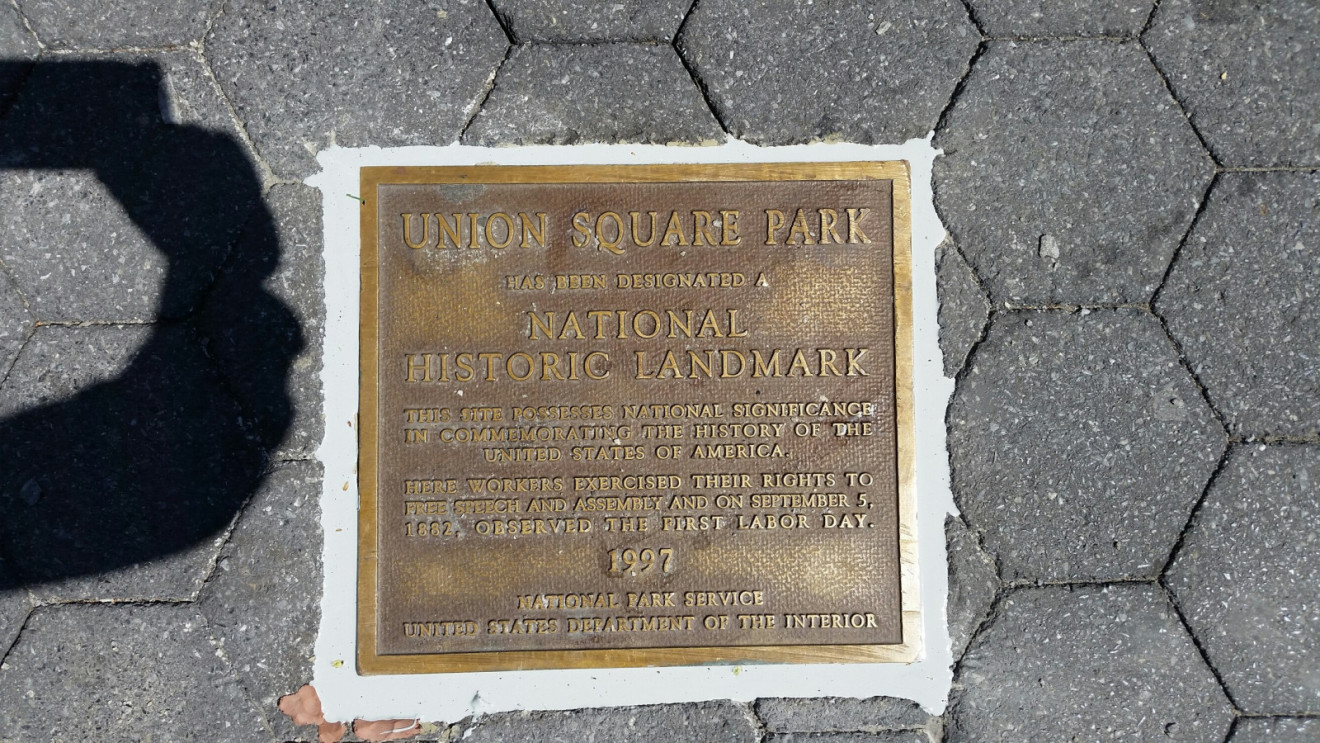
pixel 941 121
pixel 268 175
pixel 697 80
pixel 479 104
pixel 505 25
pixel 1150 18
pixel 974 17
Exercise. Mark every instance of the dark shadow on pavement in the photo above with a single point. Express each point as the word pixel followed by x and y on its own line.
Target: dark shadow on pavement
pixel 162 457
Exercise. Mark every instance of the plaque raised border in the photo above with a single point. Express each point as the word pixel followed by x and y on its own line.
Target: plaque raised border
pixel 369 661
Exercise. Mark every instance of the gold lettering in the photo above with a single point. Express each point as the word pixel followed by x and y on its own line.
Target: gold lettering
pixel 650 239
pixel 541 323
pixel 701 229
pixel 855 234
pixel 537 232
pixel 827 357
pixel 611 244
pixel 452 233
pixel 854 356
pixel 407 231
pixel 774 221
pixel 674 229
pixel 800 231
pixel 508 230
pixel 761 367
pixel 581 229
pixel 472 230
pixel 414 365
pixel 676 325
pixel 828 219
pixel 800 362
pixel 729 227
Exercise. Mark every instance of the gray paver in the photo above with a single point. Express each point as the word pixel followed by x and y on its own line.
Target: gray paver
pixel 15 322
pixel 262 602
pixel 1248 73
pixel 191 96
pixel 964 308
pixel 1110 663
pixel 17 46
pixel 86 111
pixel 389 75
pixel 75 252
pixel 1258 730
pixel 129 463
pixel 890 736
pixel 680 723
pixel 973 584
pixel 1245 578
pixel 15 604
pixel 60 362
pixel 276 278
pixel 599 93
pixel 591 20
pixel 144 232
pixel 91 24
pixel 1035 18
pixel 1241 301
pixel 1094 488
pixel 840 715
pixel 782 71
pixel 108 672
pixel 1070 175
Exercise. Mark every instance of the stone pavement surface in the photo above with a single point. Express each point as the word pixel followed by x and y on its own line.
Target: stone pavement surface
pixel 1130 306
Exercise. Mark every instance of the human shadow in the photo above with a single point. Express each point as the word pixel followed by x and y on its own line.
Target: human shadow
pixel 160 458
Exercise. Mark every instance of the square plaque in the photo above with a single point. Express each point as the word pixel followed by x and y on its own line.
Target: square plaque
pixel 635 415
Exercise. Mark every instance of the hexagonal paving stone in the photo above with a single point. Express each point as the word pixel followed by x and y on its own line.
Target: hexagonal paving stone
pixel 557 94
pixel 964 309
pixel 263 602
pixel 15 322
pixel 17 49
pixel 1070 174
pixel 191 96
pixel 1096 488
pixel 1281 730
pixel 389 75
pixel 592 20
pixel 128 216
pixel 1111 663
pixel 835 714
pixel 74 250
pixel 1241 301
pixel 1249 74
pixel 973 584
pixel 1245 578
pixel 91 24
pixel 265 320
pixel 679 723
pixel 782 71
pixel 76 111
pixel 126 463
pixel 109 672
pixel 1061 17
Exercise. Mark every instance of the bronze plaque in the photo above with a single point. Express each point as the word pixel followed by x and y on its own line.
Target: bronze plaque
pixel 635 415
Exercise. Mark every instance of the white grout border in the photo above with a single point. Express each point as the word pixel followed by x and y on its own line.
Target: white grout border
pixel 346 695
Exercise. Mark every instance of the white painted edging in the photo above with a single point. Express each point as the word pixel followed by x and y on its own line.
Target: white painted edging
pixel 346 695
